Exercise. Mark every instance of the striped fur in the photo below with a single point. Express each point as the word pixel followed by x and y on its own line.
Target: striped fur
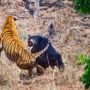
pixel 14 48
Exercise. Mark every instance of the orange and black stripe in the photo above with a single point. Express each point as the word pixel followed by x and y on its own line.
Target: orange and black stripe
pixel 14 48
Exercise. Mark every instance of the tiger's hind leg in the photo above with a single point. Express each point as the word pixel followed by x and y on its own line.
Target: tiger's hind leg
pixel 29 72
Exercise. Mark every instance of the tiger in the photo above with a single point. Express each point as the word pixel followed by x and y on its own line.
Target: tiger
pixel 14 48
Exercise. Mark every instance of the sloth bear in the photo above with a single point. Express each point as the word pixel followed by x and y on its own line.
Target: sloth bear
pixel 49 57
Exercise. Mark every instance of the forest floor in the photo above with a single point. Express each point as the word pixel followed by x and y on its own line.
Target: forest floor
pixel 71 36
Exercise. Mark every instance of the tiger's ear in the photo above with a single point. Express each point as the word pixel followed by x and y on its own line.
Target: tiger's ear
pixel 15 19
pixel 29 35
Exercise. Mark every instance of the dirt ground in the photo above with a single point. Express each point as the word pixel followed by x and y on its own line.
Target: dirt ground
pixel 71 36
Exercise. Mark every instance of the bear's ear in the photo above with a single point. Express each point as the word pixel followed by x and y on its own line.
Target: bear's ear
pixel 40 38
pixel 29 35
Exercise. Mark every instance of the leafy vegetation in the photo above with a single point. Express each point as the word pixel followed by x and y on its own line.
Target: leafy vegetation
pixel 83 6
pixel 85 78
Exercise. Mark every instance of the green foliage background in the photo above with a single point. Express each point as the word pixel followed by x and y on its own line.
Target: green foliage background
pixel 85 78
pixel 83 6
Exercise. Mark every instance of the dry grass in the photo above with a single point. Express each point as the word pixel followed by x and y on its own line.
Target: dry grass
pixel 72 36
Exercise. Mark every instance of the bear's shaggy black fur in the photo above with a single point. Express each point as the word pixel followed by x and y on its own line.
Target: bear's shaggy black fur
pixel 48 58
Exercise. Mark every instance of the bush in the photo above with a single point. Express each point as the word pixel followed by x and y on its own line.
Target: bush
pixel 85 78
pixel 83 6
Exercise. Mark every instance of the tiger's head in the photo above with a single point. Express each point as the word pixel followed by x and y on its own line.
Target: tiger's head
pixel 9 24
pixel 10 20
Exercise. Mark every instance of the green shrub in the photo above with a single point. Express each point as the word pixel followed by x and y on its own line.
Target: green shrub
pixel 83 6
pixel 85 78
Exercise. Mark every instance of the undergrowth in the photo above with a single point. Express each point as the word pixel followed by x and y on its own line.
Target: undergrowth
pixel 83 6
pixel 85 78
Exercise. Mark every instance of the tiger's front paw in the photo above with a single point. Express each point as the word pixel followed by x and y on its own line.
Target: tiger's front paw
pixel 40 70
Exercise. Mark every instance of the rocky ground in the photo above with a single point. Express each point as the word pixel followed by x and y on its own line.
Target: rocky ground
pixel 70 36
